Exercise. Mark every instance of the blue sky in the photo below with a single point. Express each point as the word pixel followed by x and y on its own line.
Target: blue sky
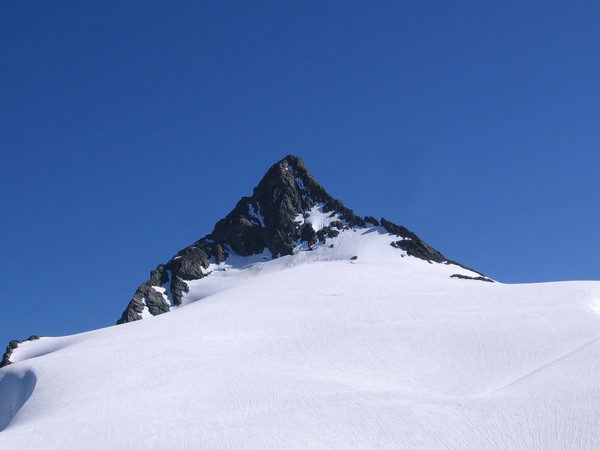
pixel 129 128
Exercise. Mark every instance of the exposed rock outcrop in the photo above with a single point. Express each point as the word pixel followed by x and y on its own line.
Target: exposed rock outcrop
pixel 466 277
pixel 12 345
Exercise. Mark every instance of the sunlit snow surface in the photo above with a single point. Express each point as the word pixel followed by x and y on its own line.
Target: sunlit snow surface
pixel 317 218
pixel 314 350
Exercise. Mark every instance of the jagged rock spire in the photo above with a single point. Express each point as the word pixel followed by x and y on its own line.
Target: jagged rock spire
pixel 268 218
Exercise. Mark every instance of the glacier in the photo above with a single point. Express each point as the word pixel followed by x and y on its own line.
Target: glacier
pixel 353 344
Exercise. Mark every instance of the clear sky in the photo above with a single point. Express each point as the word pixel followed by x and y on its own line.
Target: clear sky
pixel 127 129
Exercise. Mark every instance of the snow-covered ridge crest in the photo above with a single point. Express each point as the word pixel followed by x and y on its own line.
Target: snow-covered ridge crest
pixel 288 210
pixel 352 245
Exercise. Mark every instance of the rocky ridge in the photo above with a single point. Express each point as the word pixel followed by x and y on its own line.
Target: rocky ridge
pixel 270 220
pixel 12 345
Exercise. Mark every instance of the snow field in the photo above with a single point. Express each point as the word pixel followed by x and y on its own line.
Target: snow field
pixel 314 350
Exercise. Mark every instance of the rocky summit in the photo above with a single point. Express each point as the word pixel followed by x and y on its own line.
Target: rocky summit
pixel 276 218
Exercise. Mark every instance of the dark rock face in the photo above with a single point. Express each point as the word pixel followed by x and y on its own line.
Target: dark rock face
pixel 411 243
pixel 419 249
pixel 269 219
pixel 12 345
pixel 372 220
pixel 145 295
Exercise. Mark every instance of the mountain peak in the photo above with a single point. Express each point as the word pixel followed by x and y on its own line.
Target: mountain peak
pixel 290 180
pixel 270 217
pixel 287 208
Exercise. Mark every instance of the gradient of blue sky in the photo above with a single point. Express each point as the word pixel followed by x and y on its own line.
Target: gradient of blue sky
pixel 129 128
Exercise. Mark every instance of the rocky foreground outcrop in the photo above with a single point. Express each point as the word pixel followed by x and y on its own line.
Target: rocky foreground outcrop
pixel 11 347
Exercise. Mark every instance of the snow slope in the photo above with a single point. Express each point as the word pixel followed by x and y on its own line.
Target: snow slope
pixel 316 350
